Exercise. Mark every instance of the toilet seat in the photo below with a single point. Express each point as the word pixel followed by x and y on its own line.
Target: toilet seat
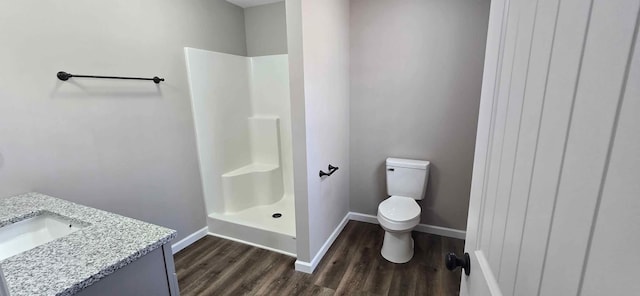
pixel 399 208
pixel 398 213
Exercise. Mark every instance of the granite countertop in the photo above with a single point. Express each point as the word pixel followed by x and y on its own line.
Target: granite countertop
pixel 71 263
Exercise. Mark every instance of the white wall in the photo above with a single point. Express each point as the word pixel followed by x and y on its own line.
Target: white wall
pixel 266 29
pixel 318 35
pixel 416 73
pixel 298 128
pixel 122 146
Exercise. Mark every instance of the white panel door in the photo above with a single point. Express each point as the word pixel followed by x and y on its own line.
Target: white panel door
pixel 555 200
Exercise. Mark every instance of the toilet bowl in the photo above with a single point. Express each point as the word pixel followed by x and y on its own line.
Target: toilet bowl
pixel 398 216
pixel 400 213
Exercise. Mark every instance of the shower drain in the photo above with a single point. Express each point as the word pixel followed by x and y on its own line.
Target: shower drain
pixel 276 215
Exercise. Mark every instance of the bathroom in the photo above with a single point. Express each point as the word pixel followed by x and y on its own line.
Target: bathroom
pixel 262 160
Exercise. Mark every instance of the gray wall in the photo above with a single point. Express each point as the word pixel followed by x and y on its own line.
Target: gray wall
pixel 266 29
pixel 416 73
pixel 126 147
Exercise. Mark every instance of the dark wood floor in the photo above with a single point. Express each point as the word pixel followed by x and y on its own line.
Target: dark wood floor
pixel 353 266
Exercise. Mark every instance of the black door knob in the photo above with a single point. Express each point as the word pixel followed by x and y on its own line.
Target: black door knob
pixel 452 262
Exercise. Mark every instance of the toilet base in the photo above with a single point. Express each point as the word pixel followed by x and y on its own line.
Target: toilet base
pixel 397 246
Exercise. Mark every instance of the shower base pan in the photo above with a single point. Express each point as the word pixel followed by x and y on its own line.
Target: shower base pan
pixel 270 227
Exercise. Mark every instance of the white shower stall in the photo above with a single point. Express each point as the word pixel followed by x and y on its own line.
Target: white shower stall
pixel 242 116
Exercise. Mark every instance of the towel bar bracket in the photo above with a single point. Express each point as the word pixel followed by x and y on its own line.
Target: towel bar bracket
pixel 332 170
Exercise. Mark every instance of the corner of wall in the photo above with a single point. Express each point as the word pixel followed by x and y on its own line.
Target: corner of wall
pixel 296 88
pixel 311 265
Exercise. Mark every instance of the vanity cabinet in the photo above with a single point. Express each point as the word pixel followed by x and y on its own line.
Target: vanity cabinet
pixel 153 275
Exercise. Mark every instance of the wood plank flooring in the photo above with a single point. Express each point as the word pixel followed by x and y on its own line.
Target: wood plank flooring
pixel 353 266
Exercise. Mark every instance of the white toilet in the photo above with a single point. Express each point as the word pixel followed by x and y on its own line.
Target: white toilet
pixel 400 213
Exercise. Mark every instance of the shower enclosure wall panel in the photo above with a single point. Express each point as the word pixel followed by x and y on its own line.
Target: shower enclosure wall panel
pixel 269 80
pixel 265 140
pixel 243 130
pixel 259 183
pixel 219 97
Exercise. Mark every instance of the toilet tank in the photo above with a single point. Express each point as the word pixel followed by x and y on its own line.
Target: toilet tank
pixel 407 177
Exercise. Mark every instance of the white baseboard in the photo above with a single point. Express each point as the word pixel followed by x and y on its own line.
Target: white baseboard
pixel 309 267
pixel 441 231
pixel 432 229
pixel 190 239
pixel 303 266
pixel 363 218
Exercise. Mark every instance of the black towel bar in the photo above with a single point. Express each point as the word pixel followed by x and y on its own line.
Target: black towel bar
pixel 64 76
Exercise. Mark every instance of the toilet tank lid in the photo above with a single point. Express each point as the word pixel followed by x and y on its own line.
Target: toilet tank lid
pixel 408 163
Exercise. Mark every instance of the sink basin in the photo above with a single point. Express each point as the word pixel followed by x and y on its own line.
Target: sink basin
pixel 32 232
